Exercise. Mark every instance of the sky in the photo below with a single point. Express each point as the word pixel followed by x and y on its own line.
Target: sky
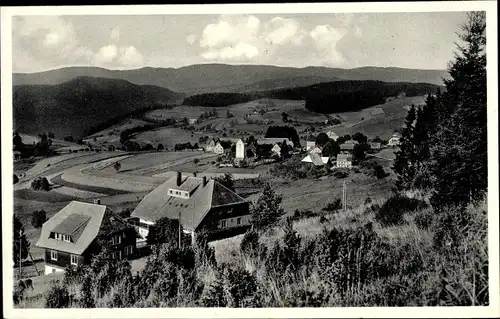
pixel 408 40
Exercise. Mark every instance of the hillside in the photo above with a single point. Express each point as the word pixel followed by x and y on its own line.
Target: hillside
pixel 76 106
pixel 329 97
pixel 205 78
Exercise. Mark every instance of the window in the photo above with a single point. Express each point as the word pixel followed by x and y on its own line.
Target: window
pixel 53 255
pixel 238 221
pixel 57 236
pixel 66 238
pixel 74 260
pixel 117 239
pixel 223 224
pixel 129 250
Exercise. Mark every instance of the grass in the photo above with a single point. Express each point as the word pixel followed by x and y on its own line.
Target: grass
pixel 42 196
pixel 95 189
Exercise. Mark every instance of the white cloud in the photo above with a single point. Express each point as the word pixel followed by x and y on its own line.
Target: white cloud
pixel 191 39
pixel 106 54
pixel 230 30
pixel 282 30
pixel 115 34
pixel 326 38
pixel 239 51
pixel 130 57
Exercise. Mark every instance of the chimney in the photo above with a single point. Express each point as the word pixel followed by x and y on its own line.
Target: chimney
pixel 204 181
pixel 179 178
pixel 97 201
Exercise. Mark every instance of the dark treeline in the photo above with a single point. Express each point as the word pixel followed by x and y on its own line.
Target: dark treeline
pixel 329 97
pixel 284 132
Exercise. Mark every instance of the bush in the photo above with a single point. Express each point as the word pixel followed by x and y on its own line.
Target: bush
pixel 333 206
pixel 301 214
pixel 392 211
pixel 341 172
pixel 250 243
pixel 57 297
pixel 368 201
pixel 424 219
pixel 38 218
pixel 117 166
pixel 40 183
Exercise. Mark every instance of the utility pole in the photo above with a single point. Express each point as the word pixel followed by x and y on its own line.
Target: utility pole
pixel 344 196
pixel 20 254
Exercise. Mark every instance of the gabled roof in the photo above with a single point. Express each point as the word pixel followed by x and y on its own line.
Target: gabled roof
pixel 82 221
pixel 316 159
pixel 348 145
pixel 158 203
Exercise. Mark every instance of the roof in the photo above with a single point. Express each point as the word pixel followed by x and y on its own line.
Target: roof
pixel 348 145
pixel 81 220
pixel 275 140
pixel 344 157
pixel 316 159
pixel 158 204
pixel 332 135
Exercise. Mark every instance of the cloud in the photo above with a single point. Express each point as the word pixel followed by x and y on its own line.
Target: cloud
pixel 51 40
pixel 230 30
pixel 239 51
pixel 130 57
pixel 106 54
pixel 283 30
pixel 326 38
pixel 191 39
pixel 115 34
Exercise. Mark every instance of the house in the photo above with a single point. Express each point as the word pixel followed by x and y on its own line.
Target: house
pixel 332 135
pixel 394 140
pixel 310 144
pixel 375 146
pixel 218 149
pixel 348 145
pixel 77 230
pixel 276 150
pixel 192 121
pixel 274 140
pixel 316 159
pixel 198 203
pixel 315 149
pixel 240 150
pixel 211 145
pixel 17 155
pixel 344 160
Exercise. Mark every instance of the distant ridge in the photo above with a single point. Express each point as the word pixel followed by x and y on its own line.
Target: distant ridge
pixel 82 103
pixel 207 78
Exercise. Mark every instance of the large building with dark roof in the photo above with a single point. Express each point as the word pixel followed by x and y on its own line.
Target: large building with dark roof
pixel 198 203
pixel 76 231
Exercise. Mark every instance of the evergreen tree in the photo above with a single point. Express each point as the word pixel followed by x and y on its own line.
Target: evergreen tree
pixel 21 245
pixel 405 156
pixel 267 210
pixel 459 151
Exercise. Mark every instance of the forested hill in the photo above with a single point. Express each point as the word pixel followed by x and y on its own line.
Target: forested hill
pixel 78 105
pixel 329 97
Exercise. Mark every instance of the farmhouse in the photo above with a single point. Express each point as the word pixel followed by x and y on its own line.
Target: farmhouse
pixel 332 135
pixel 394 140
pixel 218 149
pixel 344 160
pixel 375 146
pixel 211 145
pixel 316 159
pixel 77 230
pixel 276 150
pixel 348 145
pixel 198 203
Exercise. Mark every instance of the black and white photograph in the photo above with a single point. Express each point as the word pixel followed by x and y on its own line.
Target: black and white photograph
pixel 265 160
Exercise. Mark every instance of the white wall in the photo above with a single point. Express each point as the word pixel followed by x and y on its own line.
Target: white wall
pixel 240 150
pixel 51 269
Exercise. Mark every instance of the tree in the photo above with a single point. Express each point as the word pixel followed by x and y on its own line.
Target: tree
pixel 360 138
pixel 267 210
pixel 160 147
pixel 57 297
pixel 405 156
pixel 359 152
pixel 111 148
pixel 38 218
pixel 284 117
pixel 117 166
pixel 16 179
pixel 21 245
pixel 17 141
pixel 331 149
pixel 461 116
pixel 165 230
pixel 196 161
pixel 226 180
pixel 322 139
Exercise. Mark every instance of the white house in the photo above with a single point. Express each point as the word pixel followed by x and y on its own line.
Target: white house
pixel 315 150
pixel 240 150
pixel 310 144
pixel 211 145
pixel 218 149
pixel 192 121
pixel 394 140
pixel 316 159
pixel 344 160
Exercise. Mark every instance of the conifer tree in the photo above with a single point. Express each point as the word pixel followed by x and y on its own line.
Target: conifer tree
pixel 405 156
pixel 267 210
pixel 459 150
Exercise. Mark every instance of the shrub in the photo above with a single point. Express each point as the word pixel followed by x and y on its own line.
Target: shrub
pixel 117 166
pixel 333 206
pixel 240 287
pixel 368 201
pixel 38 218
pixel 341 172
pixel 250 243
pixel 424 219
pixel 40 183
pixel 392 211
pixel 301 214
pixel 57 297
